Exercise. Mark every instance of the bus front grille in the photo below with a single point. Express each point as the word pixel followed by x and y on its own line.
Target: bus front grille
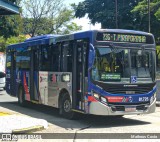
pixel 129 90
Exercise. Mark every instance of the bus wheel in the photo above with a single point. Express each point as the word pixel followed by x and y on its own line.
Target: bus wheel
pixel 66 108
pixel 21 100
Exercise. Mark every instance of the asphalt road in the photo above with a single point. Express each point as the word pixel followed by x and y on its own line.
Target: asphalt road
pixel 149 123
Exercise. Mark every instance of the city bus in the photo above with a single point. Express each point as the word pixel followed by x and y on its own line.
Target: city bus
pixel 2 70
pixel 99 72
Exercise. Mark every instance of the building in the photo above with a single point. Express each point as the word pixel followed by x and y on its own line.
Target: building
pixel 8 8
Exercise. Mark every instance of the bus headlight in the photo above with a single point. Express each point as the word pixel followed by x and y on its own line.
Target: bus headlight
pixel 152 98
pixel 96 95
pixel 100 98
pixel 103 99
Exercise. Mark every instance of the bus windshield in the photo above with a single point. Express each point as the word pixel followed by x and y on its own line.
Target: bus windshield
pixel 121 65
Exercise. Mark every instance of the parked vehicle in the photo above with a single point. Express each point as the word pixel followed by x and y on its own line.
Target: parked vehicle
pixel 2 70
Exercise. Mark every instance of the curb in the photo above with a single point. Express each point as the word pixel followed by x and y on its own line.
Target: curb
pixel 158 104
pixel 4 113
pixel 28 130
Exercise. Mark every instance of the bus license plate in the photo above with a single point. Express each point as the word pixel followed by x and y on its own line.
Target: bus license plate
pixel 130 109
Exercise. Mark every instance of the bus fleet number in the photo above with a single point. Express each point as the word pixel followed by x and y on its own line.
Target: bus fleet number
pixel 143 99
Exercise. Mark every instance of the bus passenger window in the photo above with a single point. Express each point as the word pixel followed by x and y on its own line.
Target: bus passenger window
pixel 55 57
pixel 23 60
pixel 45 58
pixel 67 51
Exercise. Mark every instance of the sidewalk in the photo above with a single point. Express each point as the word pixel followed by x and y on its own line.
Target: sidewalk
pixel 15 123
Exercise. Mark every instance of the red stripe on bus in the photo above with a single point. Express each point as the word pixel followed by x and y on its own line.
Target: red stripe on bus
pixel 114 99
pixel 91 99
pixel 26 88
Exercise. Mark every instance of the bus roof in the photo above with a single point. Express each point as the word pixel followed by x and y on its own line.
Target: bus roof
pixel 48 39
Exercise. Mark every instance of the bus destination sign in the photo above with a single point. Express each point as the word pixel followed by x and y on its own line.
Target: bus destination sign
pixel 119 37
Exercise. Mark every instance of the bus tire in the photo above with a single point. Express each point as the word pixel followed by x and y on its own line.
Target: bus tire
pixel 21 100
pixel 66 108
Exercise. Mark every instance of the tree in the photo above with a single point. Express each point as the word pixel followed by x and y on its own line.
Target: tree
pixel 45 17
pixel 12 40
pixel 2 44
pixel 104 12
pixel 10 25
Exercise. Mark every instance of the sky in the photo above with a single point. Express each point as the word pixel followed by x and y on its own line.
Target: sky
pixel 84 22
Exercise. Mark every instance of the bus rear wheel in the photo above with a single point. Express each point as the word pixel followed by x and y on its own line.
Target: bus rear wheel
pixel 66 108
pixel 21 100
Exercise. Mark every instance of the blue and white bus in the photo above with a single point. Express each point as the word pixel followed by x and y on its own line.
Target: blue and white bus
pixel 100 72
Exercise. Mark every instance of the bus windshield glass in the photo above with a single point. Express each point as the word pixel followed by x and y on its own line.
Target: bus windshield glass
pixel 120 65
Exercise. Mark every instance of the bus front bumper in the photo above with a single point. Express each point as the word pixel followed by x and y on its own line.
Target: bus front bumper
pixel 97 108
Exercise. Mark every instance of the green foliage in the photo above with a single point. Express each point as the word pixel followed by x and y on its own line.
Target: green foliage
pixel 2 44
pixel 10 25
pixel 158 47
pixel 157 14
pixel 12 40
pixel 141 17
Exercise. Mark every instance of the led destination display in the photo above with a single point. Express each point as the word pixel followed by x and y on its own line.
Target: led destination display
pixel 118 37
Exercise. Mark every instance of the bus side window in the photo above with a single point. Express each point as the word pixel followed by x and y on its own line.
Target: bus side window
pixel 67 51
pixel 23 60
pixel 45 58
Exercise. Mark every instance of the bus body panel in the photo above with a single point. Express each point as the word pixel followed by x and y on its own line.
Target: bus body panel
pixel 51 84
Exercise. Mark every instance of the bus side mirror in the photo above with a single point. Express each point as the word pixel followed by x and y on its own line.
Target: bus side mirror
pixel 91 55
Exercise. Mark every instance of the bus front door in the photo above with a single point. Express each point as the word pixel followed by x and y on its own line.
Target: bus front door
pixel 79 64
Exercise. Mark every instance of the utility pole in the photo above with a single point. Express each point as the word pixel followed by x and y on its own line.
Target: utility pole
pixel 116 7
pixel 149 17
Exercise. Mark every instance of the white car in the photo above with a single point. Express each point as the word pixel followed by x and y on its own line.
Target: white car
pixel 2 70
pixel 2 80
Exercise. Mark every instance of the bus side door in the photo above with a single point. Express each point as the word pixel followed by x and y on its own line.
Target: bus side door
pixel 34 74
pixel 80 74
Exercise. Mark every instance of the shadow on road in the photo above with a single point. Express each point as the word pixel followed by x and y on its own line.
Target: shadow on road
pixel 52 116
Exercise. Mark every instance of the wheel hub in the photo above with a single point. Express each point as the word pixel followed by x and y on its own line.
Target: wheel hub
pixel 67 106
